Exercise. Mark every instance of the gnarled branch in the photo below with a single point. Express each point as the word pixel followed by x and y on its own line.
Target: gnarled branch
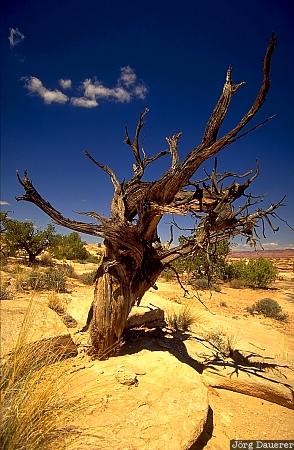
pixel 32 195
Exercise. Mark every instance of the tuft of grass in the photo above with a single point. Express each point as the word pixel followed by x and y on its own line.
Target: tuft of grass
pixel 35 411
pixel 56 303
pixel 221 341
pixel 5 294
pixel 181 319
pixel 269 308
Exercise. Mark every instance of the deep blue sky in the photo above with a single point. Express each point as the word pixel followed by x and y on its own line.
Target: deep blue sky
pixel 179 51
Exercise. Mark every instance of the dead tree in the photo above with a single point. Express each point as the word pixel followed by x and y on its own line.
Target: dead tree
pixel 134 256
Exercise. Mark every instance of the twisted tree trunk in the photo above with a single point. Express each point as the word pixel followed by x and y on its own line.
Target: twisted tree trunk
pixel 121 283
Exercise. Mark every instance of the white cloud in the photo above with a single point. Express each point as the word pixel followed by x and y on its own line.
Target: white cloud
pixel 65 83
pixel 34 85
pixel 15 37
pixel 93 90
pixel 4 203
pixel 83 102
pixel 127 76
pixel 140 91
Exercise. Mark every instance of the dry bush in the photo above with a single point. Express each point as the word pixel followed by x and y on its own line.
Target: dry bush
pixel 35 411
pixel 56 303
pixel 181 319
pixel 68 270
pixel 46 259
pixel 221 341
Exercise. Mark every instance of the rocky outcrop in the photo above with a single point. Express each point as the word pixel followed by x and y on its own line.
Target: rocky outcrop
pixel 147 400
pixel 267 386
pixel 148 316
pixel 32 322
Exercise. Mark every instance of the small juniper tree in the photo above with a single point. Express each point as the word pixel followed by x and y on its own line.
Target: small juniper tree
pixel 23 236
pixel 134 256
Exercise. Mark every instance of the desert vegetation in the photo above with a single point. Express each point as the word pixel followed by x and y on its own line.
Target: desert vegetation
pixel 35 413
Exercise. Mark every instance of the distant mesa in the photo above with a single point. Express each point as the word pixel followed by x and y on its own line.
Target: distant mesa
pixel 277 253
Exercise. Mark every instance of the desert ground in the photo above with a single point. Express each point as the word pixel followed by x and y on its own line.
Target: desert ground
pixel 159 404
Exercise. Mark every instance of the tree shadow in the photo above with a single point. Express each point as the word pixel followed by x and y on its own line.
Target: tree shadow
pixel 173 342
pixel 158 339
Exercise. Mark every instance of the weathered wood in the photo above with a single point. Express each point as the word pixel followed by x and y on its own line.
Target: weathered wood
pixel 134 255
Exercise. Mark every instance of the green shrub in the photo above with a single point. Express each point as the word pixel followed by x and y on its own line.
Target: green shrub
pixel 269 308
pixel 257 273
pixel 209 264
pixel 168 274
pixel 94 259
pixel 88 277
pixel 200 283
pixel 3 261
pixel 52 279
pixel 203 284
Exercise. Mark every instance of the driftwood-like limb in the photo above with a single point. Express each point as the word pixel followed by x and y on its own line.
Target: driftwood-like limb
pixel 118 205
pixel 173 148
pixel 31 195
pixel 221 109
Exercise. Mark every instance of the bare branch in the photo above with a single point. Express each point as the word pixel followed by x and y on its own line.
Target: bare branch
pixel 259 125
pixel 166 188
pixel 135 144
pixel 106 169
pixel 31 195
pixel 186 292
pixel 173 148
pixel 93 214
pixel 220 110
pixel 146 161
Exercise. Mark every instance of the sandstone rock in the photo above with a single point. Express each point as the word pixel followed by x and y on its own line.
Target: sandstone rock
pixel 148 316
pixel 127 377
pixel 167 409
pixel 271 387
pixel 37 323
